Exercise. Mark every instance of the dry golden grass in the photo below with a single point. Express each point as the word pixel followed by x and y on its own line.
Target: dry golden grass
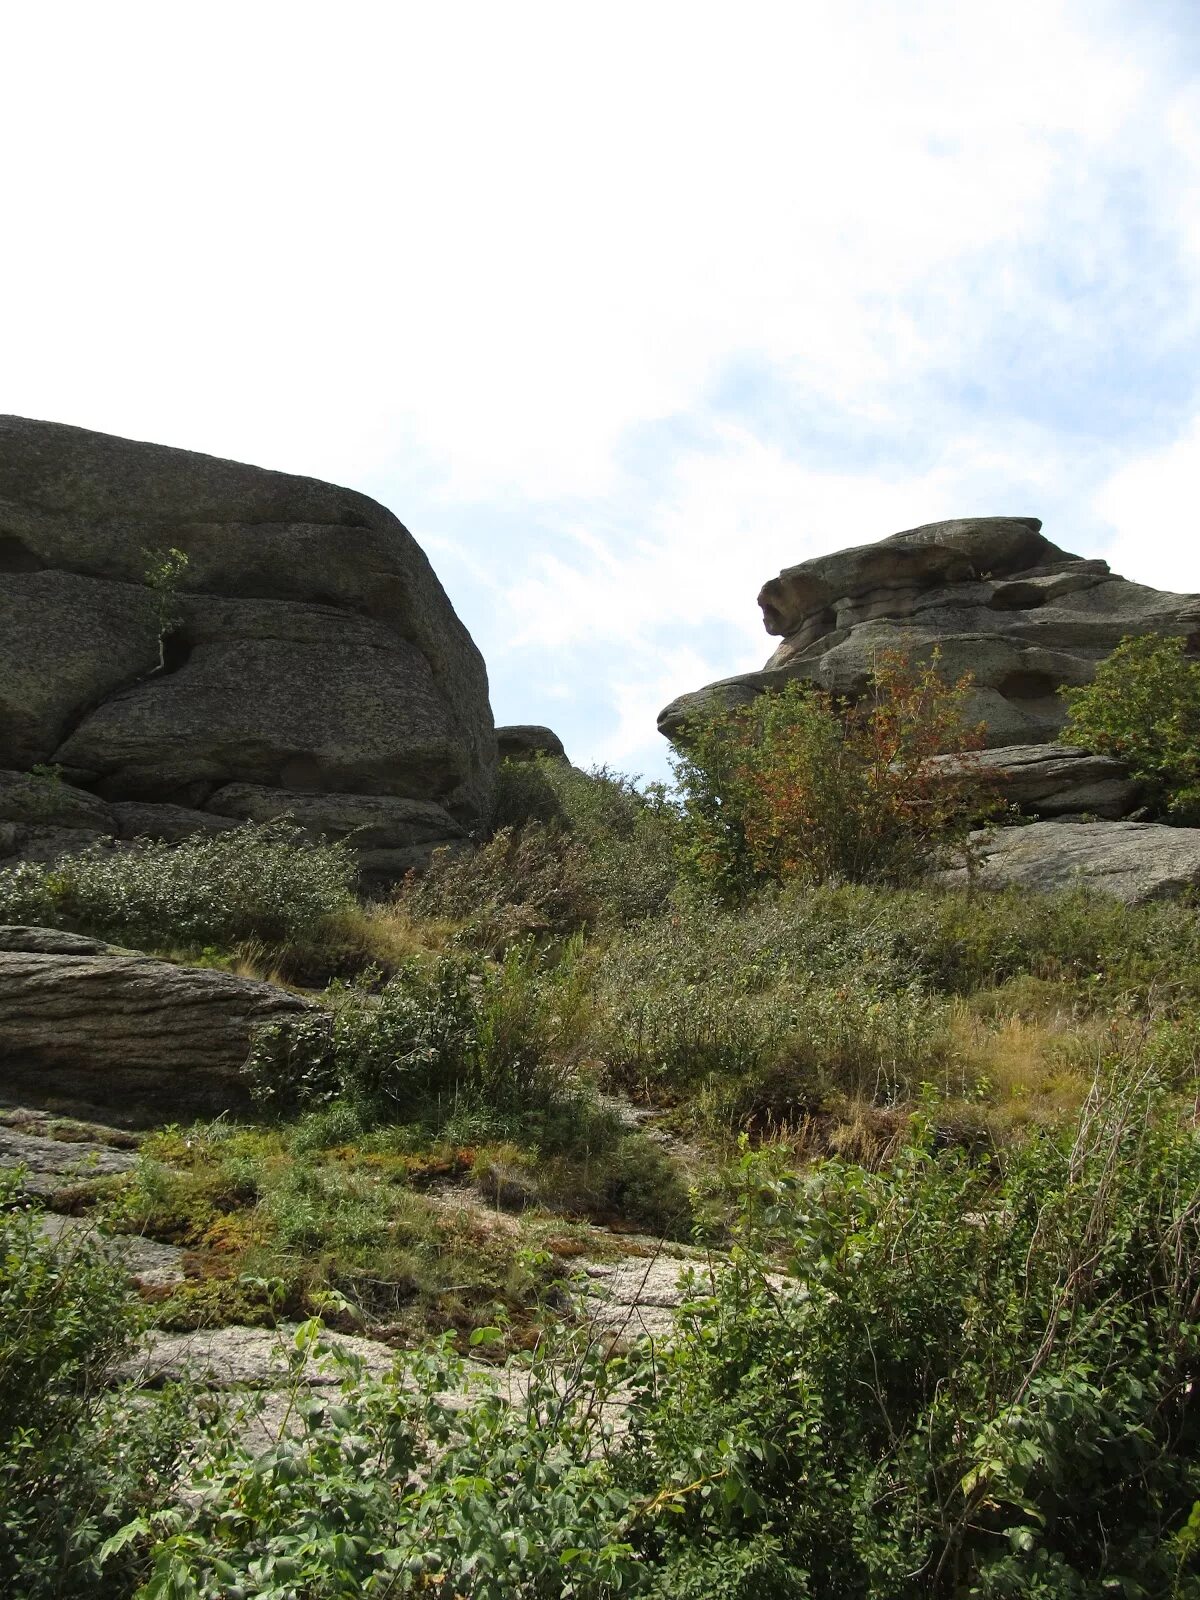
pixel 386 934
pixel 1026 1054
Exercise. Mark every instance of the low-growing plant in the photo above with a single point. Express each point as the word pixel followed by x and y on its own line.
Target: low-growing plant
pixel 947 1378
pixel 535 880
pixel 1143 706
pixel 77 1455
pixel 263 881
pixel 974 1378
pixel 394 1488
pixel 435 1033
pixel 571 851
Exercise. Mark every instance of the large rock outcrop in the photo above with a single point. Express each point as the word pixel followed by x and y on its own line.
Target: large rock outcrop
pixel 305 646
pixel 992 593
pixel 88 1024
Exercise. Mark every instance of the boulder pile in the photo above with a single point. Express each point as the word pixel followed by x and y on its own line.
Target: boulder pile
pixel 995 598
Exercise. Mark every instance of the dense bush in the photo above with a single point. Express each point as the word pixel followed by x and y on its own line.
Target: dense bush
pixel 801 784
pixel 262 881
pixel 571 850
pixel 436 1033
pixel 76 1458
pixel 530 880
pixel 394 1489
pixel 979 1381
pixel 1144 706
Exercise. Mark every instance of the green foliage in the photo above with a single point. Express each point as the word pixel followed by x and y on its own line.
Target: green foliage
pixel 1144 707
pixel 976 1380
pixel 800 784
pixel 456 1027
pixel 532 880
pixel 75 1459
pixel 758 1017
pixel 262 881
pixel 946 1378
pixel 163 572
pixel 393 1489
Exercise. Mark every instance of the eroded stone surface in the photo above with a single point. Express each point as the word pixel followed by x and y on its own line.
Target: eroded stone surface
pixel 1051 780
pixel 525 741
pixel 149 1264
pixel 634 1298
pixel 90 1023
pixel 52 1167
pixel 992 594
pixel 306 643
pixel 1131 861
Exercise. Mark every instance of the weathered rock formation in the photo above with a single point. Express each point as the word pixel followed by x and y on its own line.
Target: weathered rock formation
pixel 303 647
pixel 992 593
pixel 525 741
pixel 96 1026
pixel 1053 780
pixel 1131 861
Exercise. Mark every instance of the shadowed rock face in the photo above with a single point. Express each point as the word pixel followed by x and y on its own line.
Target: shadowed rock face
pixel 311 648
pixel 992 593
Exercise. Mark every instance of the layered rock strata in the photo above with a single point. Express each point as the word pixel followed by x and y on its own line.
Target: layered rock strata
pixel 992 594
pixel 1131 861
pixel 94 1026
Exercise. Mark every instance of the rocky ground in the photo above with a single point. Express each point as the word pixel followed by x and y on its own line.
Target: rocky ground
pixel 629 1289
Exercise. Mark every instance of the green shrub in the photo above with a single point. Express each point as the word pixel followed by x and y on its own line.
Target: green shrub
pixel 759 1017
pixel 262 881
pixel 456 1029
pixel 1144 707
pixel 800 784
pixel 532 880
pixel 76 1458
pixel 944 1379
pixel 979 1380
pixel 393 1488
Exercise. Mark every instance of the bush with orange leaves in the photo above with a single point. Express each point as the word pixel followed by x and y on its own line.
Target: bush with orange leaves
pixel 802 784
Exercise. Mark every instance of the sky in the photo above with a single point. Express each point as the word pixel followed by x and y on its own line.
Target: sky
pixel 623 307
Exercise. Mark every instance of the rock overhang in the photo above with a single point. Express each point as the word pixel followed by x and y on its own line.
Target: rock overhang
pixel 993 595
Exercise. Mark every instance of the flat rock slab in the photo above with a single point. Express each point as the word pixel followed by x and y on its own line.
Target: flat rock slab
pixel 1131 861
pixel 1052 780
pixel 85 1022
pixel 250 1370
pixel 635 1298
pixel 149 1264
pixel 52 1167
pixel 245 1358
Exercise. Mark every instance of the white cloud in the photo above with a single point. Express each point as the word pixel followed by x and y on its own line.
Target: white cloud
pixel 467 256
pixel 1153 504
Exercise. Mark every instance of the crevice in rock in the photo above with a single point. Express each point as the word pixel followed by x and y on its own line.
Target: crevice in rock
pixel 176 653
pixel 1017 597
pixel 16 556
pixel 1025 684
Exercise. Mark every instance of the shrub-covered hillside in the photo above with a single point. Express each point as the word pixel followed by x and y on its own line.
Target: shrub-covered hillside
pixel 927 1159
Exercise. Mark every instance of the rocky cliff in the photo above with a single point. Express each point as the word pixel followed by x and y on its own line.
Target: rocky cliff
pixel 300 647
pixel 992 593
